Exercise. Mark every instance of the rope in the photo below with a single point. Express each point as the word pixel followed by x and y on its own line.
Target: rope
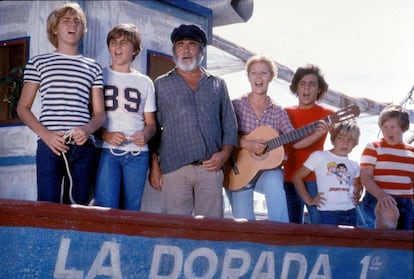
pixel 68 140
pixel 124 152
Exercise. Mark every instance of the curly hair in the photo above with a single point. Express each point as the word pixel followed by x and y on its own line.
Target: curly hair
pixel 307 70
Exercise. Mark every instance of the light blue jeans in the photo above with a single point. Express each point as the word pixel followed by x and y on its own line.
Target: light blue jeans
pixel 269 183
pixel 121 180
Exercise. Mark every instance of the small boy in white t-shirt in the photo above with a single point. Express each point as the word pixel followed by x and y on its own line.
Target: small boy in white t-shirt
pixel 337 177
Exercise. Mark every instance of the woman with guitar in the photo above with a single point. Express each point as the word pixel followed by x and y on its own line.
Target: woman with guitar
pixel 259 117
pixel 309 85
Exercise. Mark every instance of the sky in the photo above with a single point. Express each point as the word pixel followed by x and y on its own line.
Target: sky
pixel 365 48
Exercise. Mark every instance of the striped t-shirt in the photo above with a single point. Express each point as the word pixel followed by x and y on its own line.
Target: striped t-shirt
pixel 393 167
pixel 65 83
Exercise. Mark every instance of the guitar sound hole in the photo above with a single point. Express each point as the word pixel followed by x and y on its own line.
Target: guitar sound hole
pixel 259 157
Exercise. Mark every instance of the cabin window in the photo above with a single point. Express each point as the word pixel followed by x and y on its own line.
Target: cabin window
pixel 158 64
pixel 13 56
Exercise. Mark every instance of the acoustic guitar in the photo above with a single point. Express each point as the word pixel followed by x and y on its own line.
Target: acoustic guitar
pixel 245 166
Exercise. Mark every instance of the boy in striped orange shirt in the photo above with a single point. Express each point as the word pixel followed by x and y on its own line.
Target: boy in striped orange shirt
pixel 387 172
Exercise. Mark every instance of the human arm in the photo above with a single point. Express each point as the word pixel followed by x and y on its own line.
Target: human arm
pixel 257 146
pixel 218 159
pixel 140 138
pixel 298 181
pixel 54 140
pixel 320 131
pixel 81 134
pixel 155 174
pixel 367 180
pixel 229 133
pixel 357 190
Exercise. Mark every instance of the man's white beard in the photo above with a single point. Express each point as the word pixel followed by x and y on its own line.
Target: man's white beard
pixel 188 66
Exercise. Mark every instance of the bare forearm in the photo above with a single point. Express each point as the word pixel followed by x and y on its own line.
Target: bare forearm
pixel 309 140
pixel 149 131
pixel 227 150
pixel 371 186
pixel 301 188
pixel 95 123
pixel 32 122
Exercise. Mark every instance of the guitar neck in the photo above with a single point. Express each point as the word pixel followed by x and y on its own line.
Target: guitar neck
pixel 293 136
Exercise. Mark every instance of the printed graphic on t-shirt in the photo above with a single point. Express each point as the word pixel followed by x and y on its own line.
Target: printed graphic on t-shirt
pixel 340 171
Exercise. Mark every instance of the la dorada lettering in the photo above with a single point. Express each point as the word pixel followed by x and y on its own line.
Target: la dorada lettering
pixel 170 262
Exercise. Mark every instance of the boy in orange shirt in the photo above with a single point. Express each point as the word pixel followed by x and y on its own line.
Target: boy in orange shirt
pixel 309 85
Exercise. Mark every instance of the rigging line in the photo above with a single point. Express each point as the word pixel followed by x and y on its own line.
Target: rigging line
pixel 409 98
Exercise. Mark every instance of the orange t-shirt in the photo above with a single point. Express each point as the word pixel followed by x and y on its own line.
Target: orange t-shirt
pixel 296 157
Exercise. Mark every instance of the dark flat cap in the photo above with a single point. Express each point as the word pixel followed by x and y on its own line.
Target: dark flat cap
pixel 190 32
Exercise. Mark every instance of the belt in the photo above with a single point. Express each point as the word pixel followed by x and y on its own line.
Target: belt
pixel 197 163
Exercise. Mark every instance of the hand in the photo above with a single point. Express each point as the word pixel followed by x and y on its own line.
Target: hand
pixel 155 177
pixel 258 146
pixel 138 138
pixel 317 200
pixel 79 136
pixel 113 138
pixel 322 128
pixel 56 142
pixel 216 161
pixel 356 196
pixel 385 200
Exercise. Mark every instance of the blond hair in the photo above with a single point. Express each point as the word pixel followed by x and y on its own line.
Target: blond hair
pixel 346 128
pixel 262 59
pixel 55 17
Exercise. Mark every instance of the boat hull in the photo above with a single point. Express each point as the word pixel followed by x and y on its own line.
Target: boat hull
pixel 45 240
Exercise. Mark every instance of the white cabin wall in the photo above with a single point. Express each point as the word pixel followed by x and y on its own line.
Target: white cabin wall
pixel 18 143
pixel 18 181
pixel 28 19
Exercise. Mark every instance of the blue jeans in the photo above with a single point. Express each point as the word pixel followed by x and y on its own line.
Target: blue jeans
pixel 339 217
pixel 269 183
pixel 51 169
pixel 296 204
pixel 121 176
pixel 404 205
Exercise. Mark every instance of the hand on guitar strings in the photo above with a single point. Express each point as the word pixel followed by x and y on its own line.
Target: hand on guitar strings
pixel 323 128
pixel 257 146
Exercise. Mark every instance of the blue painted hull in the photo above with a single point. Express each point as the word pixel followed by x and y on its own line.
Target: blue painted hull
pixel 43 240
